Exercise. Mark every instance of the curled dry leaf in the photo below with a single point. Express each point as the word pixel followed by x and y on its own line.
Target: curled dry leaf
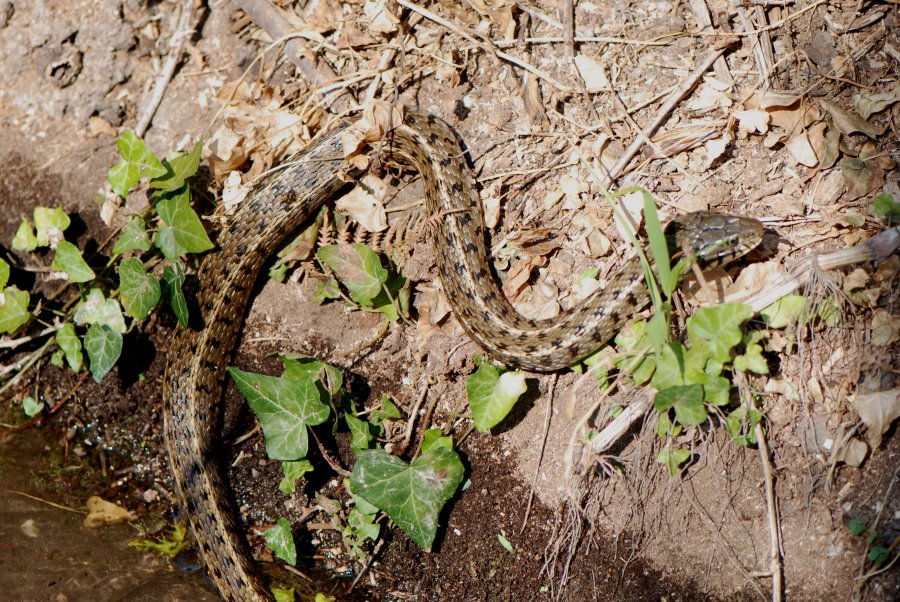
pixel 877 411
pixel 868 103
pixel 542 303
pixel 848 121
pixel 381 20
pixel 365 203
pixel 491 204
pixel 801 149
pixel 752 121
pixel 101 512
pixel 716 148
pixel 233 192
pixel 711 95
pixel 885 328
pixel 853 453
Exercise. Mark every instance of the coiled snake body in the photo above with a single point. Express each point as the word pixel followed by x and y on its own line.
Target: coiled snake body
pixel 197 359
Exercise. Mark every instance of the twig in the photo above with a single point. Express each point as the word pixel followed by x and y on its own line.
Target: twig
pixel 663 112
pixel 334 465
pixel 485 44
pixel 176 47
pixel 43 501
pixel 540 459
pixel 13 343
pixel 410 424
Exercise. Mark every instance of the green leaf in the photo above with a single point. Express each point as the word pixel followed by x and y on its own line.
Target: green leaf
pixel 292 473
pixel 411 494
pixel 56 358
pixel 179 167
pixel 886 209
pixel 687 401
pixel 670 366
pixel 137 162
pixel 358 268
pixel 363 526
pixel 435 437
pixel 183 232
pixel 492 394
pixel 784 311
pixel 360 433
pixel 505 543
pixel 139 290
pixel 659 247
pixel 740 424
pixel 298 367
pixel 283 595
pixel 97 309
pixel 665 427
pixel 280 540
pixel 13 309
pixel 70 344
pixel 133 238
pixel 31 406
pixel 285 407
pixel 170 545
pixel 673 458
pixel 878 555
pixel 50 224
pixel 388 411
pixel 68 259
pixel 752 360
pixel 720 326
pixel 857 526
pixel 24 240
pixel 103 346
pixel 171 283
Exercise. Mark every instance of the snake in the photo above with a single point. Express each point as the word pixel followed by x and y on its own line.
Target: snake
pixel 276 206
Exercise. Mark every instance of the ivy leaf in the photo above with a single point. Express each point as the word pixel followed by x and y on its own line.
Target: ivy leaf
pixel 492 394
pixel 24 240
pixel 720 326
pixel 97 309
pixel 673 458
pixel 68 259
pixel 292 473
pixel 670 366
pixel 183 232
pixel 687 401
pixel 137 162
pixel 433 437
pixel 140 291
pixel 886 209
pixel 302 366
pixel 50 224
pixel 280 540
pixel 358 268
pixel 784 311
pixel 179 167
pixel 411 494
pixel 857 526
pixel 103 346
pixel 13 309
pixel 752 360
pixel 171 283
pixel 31 406
pixel 285 407
pixel 133 238
pixel 70 345
pixel 4 273
pixel 740 424
pixel 360 433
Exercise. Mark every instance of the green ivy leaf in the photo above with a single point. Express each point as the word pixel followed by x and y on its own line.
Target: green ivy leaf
pixel 752 360
pixel 139 290
pixel 492 394
pixel 687 401
pixel 24 240
pixel 13 309
pixel 97 309
pixel 31 406
pixel 293 470
pixel 280 540
pixel 68 259
pixel 360 433
pixel 886 209
pixel 103 346
pixel 182 232
pixel 435 437
pixel 878 555
pixel 740 424
pixel 411 494
pixel 50 224
pixel 358 268
pixel 283 595
pixel 4 273
pixel 388 411
pixel 857 526
pixel 70 345
pixel 784 311
pixel 179 167
pixel 133 238
pixel 670 366
pixel 720 326
pixel 673 458
pixel 285 406
pixel 171 283
pixel 137 162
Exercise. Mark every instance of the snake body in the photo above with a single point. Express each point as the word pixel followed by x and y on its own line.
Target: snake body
pixel 197 358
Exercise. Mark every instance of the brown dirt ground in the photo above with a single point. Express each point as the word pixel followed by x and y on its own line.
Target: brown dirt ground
pixel 702 536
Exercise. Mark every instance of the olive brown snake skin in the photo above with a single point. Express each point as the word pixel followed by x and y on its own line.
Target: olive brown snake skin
pixel 197 359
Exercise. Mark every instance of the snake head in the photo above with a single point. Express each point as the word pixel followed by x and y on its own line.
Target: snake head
pixel 712 239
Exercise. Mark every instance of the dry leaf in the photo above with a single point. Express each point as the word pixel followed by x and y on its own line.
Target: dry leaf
pixel 101 512
pixel 853 453
pixel 709 96
pixel 885 328
pixel 800 148
pixel 632 205
pixel 592 73
pixel 770 99
pixel 752 121
pixel 716 148
pixel 542 304
pixel 848 121
pixel 233 192
pixel 490 202
pixel 877 411
pixel 365 203
pixel 869 103
pixel 381 20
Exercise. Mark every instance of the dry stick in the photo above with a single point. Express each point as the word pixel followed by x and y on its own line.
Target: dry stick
pixel 176 48
pixel 663 112
pixel 762 44
pixel 537 469
pixel 701 11
pixel 485 44
pixel 271 20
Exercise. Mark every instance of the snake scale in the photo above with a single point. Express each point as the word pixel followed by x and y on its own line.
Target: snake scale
pixel 275 207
